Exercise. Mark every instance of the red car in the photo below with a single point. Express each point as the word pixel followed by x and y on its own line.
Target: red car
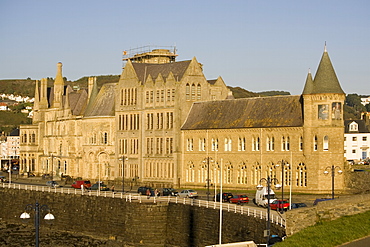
pixel 280 205
pixel 239 199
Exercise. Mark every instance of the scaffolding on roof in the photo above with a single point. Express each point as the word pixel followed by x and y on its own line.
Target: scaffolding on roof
pixel 150 54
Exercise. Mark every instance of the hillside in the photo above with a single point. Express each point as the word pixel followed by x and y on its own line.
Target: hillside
pixel 26 87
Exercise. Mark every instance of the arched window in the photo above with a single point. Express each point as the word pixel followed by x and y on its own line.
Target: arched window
pixel 193 92
pixel 104 138
pixel 190 173
pixel 187 91
pixel 256 173
pixel 271 170
pixel 229 174
pixel 301 175
pixel 287 143
pixel 199 92
pixel 242 174
pixel 326 143
pixel 315 143
pixel 214 144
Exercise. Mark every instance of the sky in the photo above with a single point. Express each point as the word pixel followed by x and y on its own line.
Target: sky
pixel 256 45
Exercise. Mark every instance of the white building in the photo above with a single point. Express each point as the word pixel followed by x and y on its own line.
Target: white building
pixel 356 140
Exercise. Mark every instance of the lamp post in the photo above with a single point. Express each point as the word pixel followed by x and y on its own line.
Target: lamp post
pixel 37 208
pixel 277 186
pixel 326 172
pixel 208 160
pixel 283 164
pixel 123 158
pixel 52 166
pixel 10 170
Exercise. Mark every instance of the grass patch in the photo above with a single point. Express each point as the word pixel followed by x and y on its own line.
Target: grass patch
pixel 331 233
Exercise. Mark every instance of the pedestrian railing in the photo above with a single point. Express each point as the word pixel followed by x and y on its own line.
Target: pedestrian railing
pixel 275 217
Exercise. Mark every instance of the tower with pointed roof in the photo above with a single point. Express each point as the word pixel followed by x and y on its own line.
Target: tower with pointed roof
pixel 323 132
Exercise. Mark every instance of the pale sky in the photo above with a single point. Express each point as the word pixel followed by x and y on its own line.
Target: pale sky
pixel 256 45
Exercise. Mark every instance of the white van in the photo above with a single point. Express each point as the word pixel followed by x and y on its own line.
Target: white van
pixel 261 198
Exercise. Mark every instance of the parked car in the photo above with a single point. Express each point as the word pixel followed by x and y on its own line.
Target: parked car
pixel 225 196
pixel 298 205
pixel 142 190
pixel 103 187
pixel 321 200
pixel 169 192
pixel 77 184
pixel 188 193
pixel 239 199
pixel 280 205
pixel 52 184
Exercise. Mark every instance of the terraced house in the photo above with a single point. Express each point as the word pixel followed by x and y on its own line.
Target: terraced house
pixel 164 124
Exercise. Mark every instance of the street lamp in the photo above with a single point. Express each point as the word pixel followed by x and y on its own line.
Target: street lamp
pixel 283 165
pixel 208 160
pixel 123 158
pixel 10 170
pixel 259 187
pixel 37 208
pixel 326 172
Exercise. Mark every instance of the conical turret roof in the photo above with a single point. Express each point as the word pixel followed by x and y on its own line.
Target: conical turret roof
pixel 326 80
pixel 308 87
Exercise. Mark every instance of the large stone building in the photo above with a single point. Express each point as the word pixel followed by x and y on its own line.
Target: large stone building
pixel 130 129
pixel 165 124
pixel 293 139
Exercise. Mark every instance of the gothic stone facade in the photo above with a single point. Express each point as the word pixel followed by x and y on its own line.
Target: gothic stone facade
pixel 297 140
pixel 164 124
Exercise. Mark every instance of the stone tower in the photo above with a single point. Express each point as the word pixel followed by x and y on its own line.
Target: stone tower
pixel 323 132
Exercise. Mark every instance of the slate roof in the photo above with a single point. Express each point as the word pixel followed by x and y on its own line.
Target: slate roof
pixel 362 128
pixel 263 112
pixel 325 80
pixel 104 102
pixel 144 69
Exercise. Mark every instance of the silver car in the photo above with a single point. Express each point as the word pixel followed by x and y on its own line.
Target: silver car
pixel 188 193
pixel 52 184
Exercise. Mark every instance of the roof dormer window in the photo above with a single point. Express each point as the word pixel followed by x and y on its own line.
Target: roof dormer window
pixel 353 126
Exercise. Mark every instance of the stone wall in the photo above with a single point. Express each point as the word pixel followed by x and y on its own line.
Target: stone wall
pixel 136 224
pixel 301 218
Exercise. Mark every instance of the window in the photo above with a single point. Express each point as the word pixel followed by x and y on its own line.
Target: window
pixel 326 143
pixel 189 144
pixel 104 138
pixel 214 144
pixel 202 144
pixel 227 144
pixel 151 96
pixel 301 143
pixel 198 92
pixel 193 92
pixel 241 144
pixel 147 98
pixel 354 138
pixel 255 143
pixel 242 174
pixel 353 126
pixel 158 92
pixel 168 95
pixel 187 91
pixel 285 143
pixel 353 151
pixel 315 143
pixel 364 138
pixel 301 175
